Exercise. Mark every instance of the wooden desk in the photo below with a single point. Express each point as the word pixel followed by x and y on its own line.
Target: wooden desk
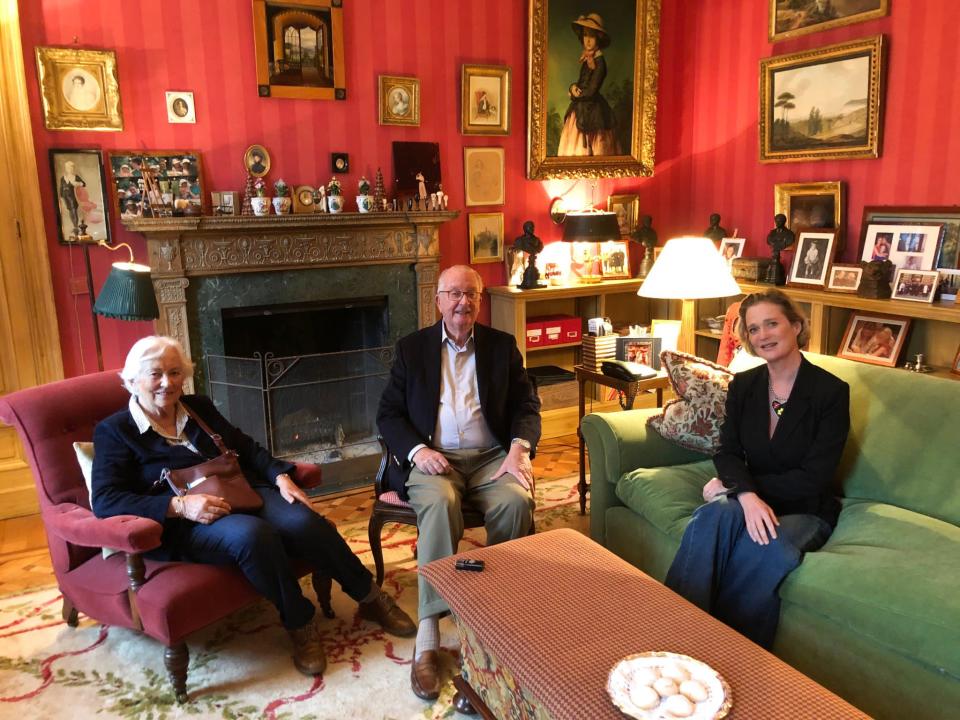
pixel 630 390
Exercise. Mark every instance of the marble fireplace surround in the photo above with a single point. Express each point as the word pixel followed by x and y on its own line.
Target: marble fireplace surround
pixel 341 245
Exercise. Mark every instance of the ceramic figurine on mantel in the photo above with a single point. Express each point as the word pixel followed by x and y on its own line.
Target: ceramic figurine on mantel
pixel 320 199
pixel 334 198
pixel 421 191
pixel 646 236
pixel 281 201
pixel 532 245
pixel 364 200
pixel 780 238
pixel 260 203
pixel 715 232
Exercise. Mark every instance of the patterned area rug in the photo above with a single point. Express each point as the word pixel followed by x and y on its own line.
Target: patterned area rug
pixel 241 667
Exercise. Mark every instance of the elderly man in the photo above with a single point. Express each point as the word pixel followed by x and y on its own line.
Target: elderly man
pixel 462 420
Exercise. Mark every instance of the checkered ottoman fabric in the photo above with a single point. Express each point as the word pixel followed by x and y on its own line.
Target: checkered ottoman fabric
pixel 559 611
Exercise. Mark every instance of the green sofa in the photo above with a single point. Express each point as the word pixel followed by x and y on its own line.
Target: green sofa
pixel 874 615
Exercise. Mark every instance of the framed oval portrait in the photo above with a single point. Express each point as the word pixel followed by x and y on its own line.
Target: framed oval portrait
pixel 256 160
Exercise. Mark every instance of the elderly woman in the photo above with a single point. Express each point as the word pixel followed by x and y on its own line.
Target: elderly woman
pixel 157 430
pixel 781 441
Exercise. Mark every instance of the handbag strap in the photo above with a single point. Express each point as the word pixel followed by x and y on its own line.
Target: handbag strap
pixel 217 439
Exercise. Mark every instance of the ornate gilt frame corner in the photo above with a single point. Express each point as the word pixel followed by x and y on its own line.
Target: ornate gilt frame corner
pixel 52 62
pixel 640 160
pixel 408 83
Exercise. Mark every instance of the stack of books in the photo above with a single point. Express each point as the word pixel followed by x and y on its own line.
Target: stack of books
pixel 596 349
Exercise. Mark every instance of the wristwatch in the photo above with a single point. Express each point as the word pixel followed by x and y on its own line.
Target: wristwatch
pixel 525 444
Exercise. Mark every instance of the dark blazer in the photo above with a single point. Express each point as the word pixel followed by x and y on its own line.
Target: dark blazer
pixel 407 415
pixel 792 471
pixel 126 464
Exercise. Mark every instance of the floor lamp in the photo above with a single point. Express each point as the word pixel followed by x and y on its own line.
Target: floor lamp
pixel 126 295
pixel 688 269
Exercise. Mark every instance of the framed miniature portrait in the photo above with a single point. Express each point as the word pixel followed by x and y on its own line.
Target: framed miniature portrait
pixel 731 248
pixel 180 108
pixel 810 205
pixel 399 100
pixel 915 285
pixel 910 247
pixel 789 18
pixel 156 183
pixel 256 160
pixel 813 254
pixel 615 259
pixel 486 237
pixel 483 175
pixel 79 192
pixel 875 339
pixel 485 100
pixel 298 47
pixel 643 350
pixel 79 89
pixel 844 278
pixel 627 208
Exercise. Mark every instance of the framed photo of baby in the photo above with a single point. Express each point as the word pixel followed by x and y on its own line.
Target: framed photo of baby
pixel 874 339
pixel 592 88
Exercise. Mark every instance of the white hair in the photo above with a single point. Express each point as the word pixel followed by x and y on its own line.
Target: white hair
pixel 150 348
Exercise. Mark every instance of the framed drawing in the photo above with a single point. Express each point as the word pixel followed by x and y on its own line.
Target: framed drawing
pixel 180 107
pixel 79 191
pixel 399 100
pixel 627 208
pixel 592 93
pixel 483 172
pixel 486 237
pixel 875 339
pixel 615 259
pixel 823 104
pixel 814 252
pixel 948 216
pixel 485 100
pixel 256 160
pixel 156 183
pixel 792 18
pixel 910 247
pixel 643 350
pixel 298 47
pixel 844 278
pixel 79 89
pixel 810 205
pixel 915 285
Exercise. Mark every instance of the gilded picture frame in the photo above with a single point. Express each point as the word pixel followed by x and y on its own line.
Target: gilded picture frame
pixel 823 104
pixel 311 69
pixel 485 100
pixel 399 100
pixel 79 195
pixel 811 205
pixel 789 19
pixel 622 142
pixel 486 237
pixel 483 176
pixel 79 89
pixel 627 208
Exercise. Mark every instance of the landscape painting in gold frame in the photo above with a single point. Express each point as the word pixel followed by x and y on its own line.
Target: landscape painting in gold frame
pixel 79 89
pixel 627 35
pixel 792 18
pixel 486 237
pixel 311 69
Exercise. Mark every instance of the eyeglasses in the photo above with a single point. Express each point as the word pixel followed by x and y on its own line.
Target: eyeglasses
pixel 458 295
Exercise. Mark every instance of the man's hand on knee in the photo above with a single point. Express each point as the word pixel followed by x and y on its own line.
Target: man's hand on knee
pixel 517 463
pixel 431 462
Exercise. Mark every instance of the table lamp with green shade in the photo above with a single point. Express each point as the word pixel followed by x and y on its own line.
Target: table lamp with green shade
pixel 688 269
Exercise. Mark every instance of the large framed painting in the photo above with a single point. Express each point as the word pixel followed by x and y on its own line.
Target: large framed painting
pixel 948 256
pixel 79 89
pixel 298 47
pixel 592 94
pixel 485 100
pixel 156 183
pixel 791 18
pixel 79 191
pixel 823 104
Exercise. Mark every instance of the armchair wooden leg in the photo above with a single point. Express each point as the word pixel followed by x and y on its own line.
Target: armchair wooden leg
pixel 374 528
pixel 322 586
pixel 176 658
pixel 70 615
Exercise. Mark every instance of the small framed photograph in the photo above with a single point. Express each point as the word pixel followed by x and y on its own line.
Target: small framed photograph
pixel 875 339
pixel 515 262
pixel 180 108
pixel 643 350
pixel 948 285
pixel 910 247
pixel 486 237
pixel 615 259
pixel 814 252
pixel 256 160
pixel 844 278
pixel 586 265
pixel 303 199
pixel 156 183
pixel 485 100
pixel 225 202
pixel 79 89
pixel 915 285
pixel 731 248
pixel 955 368
pixel 399 100
pixel 483 176
pixel 79 191
pixel 627 208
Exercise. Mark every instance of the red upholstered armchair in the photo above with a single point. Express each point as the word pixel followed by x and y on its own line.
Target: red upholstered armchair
pixel 165 600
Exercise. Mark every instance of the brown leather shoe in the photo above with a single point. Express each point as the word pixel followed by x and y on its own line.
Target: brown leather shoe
pixel 386 613
pixel 308 654
pixel 425 675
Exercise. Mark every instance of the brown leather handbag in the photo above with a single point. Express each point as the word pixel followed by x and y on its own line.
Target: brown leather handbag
pixel 221 476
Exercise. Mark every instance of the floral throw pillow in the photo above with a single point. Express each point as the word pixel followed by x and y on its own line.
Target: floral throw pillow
pixel 694 418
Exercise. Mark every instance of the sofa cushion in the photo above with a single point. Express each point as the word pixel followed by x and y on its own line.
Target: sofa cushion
pixel 666 496
pixel 889 574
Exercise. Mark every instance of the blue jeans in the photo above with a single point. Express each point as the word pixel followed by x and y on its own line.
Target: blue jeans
pixel 264 543
pixel 722 571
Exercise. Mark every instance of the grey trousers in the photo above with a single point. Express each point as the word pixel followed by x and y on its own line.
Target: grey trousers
pixel 506 505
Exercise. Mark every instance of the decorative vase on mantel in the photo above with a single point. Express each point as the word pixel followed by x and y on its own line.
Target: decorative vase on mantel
pixel 281 201
pixel 260 205
pixel 334 196
pixel 364 200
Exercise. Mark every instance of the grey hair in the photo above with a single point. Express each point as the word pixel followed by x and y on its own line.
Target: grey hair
pixel 150 348
pixel 463 268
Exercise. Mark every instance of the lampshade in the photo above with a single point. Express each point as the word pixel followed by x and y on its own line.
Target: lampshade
pixel 593 226
pixel 689 268
pixel 128 294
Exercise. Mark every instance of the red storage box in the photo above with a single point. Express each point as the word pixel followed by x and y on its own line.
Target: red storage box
pixel 546 330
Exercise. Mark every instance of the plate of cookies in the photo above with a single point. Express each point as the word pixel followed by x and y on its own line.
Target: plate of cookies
pixel 668 686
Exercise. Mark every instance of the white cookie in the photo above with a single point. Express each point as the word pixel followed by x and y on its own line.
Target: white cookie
pixel 674 672
pixel 666 687
pixel 693 690
pixel 644 697
pixel 679 706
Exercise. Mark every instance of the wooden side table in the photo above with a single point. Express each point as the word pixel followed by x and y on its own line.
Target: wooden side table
pixel 630 390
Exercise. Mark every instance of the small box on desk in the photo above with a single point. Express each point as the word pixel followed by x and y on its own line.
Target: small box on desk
pixel 547 330
pixel 750 268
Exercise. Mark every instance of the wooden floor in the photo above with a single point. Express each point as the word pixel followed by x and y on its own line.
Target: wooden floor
pixel 25 564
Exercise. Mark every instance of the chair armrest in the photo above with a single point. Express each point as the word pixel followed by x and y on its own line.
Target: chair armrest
pixel 308 475
pixel 78 525
pixel 617 443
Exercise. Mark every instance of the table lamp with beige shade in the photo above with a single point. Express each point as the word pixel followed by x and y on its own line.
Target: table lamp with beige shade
pixel 688 269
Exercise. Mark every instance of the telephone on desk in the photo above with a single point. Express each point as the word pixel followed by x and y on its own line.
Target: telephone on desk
pixel 626 370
